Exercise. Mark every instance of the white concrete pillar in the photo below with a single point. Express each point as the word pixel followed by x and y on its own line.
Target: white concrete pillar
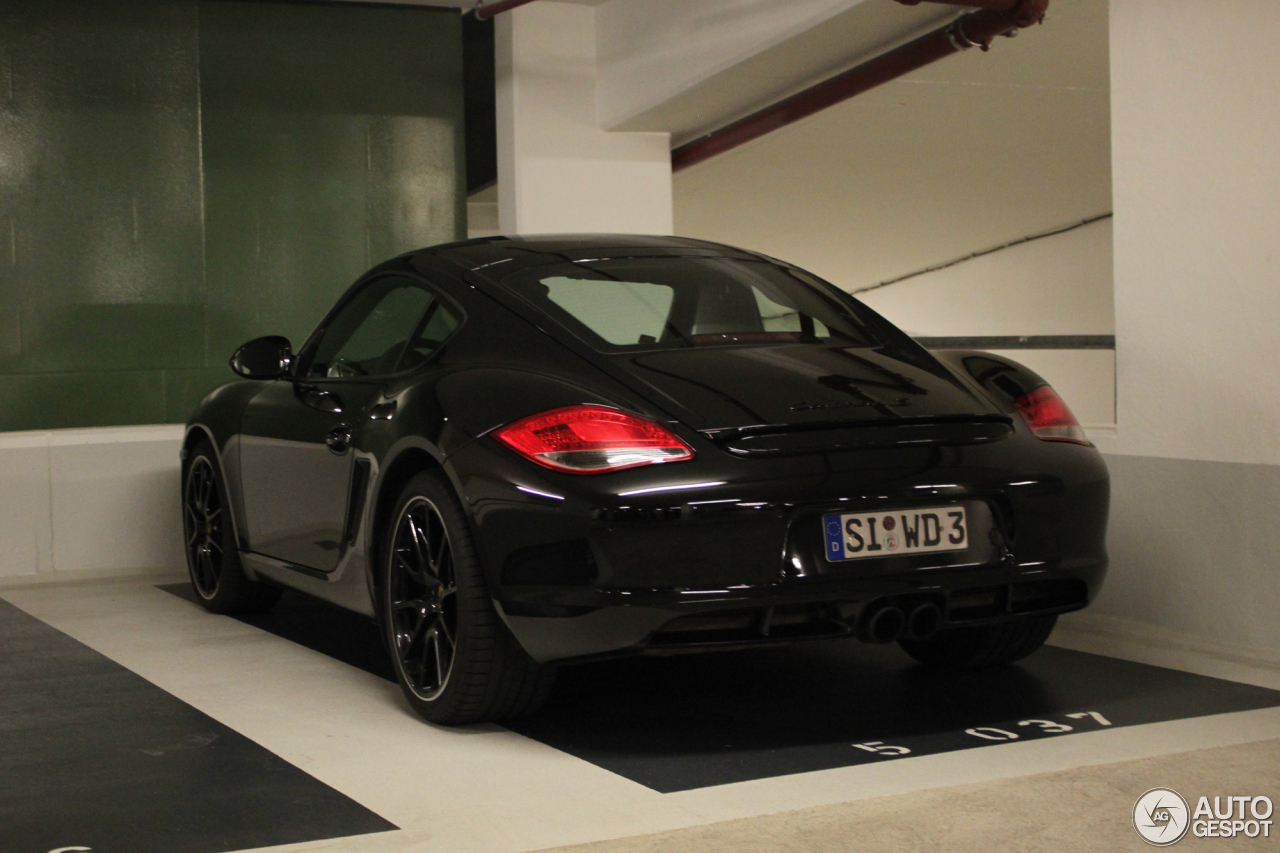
pixel 558 172
pixel 1196 151
pixel 1195 462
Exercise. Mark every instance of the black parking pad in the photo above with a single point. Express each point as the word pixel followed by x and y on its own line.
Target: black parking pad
pixel 692 721
pixel 681 723
pixel 95 756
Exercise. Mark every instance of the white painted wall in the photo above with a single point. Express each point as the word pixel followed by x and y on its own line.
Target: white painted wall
pixel 1196 151
pixel 558 172
pixel 1060 285
pixel 90 501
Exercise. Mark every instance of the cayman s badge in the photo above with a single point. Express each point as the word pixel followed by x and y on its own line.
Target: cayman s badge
pixel 806 406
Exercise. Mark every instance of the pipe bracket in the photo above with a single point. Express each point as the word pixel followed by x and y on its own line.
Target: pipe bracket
pixel 960 41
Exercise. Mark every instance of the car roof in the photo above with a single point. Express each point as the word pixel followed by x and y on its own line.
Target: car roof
pixel 558 248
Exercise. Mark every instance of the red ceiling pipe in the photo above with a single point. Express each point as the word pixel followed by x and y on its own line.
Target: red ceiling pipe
pixel 976 29
pixel 972 4
pixel 491 9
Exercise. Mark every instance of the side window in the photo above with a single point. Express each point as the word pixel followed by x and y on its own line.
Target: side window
pixel 374 332
pixel 436 326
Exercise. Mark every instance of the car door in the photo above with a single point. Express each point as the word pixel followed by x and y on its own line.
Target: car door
pixel 297 434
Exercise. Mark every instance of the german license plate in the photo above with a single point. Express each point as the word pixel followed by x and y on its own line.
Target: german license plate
pixel 859 535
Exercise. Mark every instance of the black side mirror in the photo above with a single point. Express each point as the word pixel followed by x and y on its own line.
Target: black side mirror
pixel 264 358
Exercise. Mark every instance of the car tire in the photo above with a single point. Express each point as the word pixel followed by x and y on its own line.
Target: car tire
pixel 213 558
pixel 454 658
pixel 983 645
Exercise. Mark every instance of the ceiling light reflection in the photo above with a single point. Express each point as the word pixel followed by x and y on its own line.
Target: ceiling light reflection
pixel 677 488
pixel 530 491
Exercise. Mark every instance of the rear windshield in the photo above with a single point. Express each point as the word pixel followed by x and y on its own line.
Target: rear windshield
pixel 671 303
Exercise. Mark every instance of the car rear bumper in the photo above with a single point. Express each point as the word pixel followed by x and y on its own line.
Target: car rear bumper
pixel 584 568
pixel 558 623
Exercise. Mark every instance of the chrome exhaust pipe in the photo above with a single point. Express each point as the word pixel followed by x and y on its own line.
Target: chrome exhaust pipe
pixel 885 625
pixel 924 621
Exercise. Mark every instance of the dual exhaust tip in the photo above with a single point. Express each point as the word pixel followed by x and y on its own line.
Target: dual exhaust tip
pixel 891 622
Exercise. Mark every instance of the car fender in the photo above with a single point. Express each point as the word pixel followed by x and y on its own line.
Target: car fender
pixel 409 456
pixel 1001 379
pixel 485 398
pixel 217 420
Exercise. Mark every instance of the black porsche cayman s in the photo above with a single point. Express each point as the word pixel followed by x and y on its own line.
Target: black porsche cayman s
pixel 521 453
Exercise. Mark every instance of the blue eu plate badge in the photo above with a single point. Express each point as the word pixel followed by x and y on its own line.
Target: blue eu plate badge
pixel 835 538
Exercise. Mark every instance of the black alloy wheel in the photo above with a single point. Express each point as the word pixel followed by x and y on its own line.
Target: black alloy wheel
pixel 453 656
pixel 212 559
pixel 422 605
pixel 203 519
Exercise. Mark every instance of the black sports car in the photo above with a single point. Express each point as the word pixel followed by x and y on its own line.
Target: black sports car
pixel 519 453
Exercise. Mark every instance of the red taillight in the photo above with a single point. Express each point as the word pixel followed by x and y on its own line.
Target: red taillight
pixel 1048 416
pixel 592 439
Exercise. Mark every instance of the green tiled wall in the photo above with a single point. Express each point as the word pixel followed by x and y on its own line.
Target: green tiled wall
pixel 178 176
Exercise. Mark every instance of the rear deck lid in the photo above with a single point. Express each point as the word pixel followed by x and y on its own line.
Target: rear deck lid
pixel 744 346
pixel 738 389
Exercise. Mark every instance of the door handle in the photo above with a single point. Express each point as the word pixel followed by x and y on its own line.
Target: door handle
pixel 383 411
pixel 325 401
pixel 339 439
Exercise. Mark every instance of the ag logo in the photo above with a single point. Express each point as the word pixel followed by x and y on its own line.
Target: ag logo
pixel 1161 817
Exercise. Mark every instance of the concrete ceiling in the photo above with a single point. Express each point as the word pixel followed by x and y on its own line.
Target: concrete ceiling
pixel 968 153
pixel 867 29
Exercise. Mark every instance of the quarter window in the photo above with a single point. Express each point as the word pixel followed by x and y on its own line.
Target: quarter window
pixel 393 324
pixel 436 326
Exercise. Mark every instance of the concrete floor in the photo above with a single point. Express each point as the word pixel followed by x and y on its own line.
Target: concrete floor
pixel 488 789
pixel 1083 809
